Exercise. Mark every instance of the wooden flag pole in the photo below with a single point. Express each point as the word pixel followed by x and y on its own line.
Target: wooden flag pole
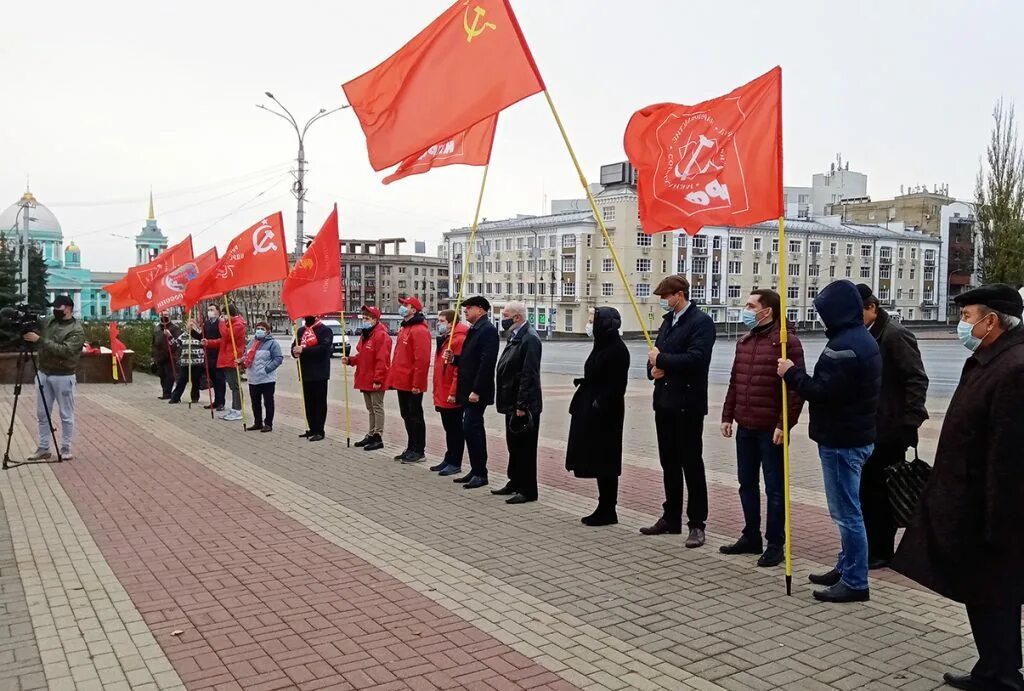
pixel 600 221
pixel 206 364
pixel 298 368
pixel 188 330
pixel 465 254
pixel 344 379
pixel 234 352
pixel 783 340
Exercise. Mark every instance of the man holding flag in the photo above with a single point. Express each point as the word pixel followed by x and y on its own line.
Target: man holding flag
pixel 312 348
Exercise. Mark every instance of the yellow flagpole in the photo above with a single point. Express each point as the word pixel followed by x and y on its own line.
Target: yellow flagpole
pixel 234 351
pixel 600 221
pixel 465 253
pixel 298 368
pixel 783 339
pixel 188 330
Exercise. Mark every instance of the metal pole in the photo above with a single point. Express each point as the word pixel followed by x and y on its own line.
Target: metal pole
pixel 300 195
pixel 24 249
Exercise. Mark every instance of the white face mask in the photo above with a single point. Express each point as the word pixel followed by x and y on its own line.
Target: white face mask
pixel 589 328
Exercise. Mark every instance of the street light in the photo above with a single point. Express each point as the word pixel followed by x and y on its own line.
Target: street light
pixel 299 188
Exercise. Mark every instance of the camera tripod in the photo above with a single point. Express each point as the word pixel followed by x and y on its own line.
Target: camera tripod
pixel 25 356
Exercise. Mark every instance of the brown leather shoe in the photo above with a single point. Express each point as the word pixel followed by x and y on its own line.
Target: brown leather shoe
pixel 695 539
pixel 661 528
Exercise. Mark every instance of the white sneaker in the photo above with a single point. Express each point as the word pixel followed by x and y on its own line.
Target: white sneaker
pixel 66 455
pixel 232 415
pixel 40 455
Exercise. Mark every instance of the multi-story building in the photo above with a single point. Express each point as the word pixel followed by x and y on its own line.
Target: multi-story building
pixel 372 276
pixel 560 265
pixel 918 207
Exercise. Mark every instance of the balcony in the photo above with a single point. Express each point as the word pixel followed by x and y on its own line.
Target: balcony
pixel 700 251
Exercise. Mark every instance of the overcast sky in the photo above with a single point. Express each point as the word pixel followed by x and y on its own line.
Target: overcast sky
pixel 104 99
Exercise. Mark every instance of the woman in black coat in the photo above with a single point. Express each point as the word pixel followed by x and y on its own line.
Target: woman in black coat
pixel 597 411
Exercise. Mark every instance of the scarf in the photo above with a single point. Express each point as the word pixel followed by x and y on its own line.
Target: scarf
pixel 251 354
pixel 308 339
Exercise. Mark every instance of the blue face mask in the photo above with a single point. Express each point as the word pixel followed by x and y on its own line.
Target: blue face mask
pixel 261 334
pixel 403 311
pixel 965 332
pixel 750 319
pixel 442 328
pixel 663 303
pixel 367 323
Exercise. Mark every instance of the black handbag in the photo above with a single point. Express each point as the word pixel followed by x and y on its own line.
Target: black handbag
pixel 905 482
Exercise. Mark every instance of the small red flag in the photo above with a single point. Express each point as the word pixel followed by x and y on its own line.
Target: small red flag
pixel 256 255
pixel 314 284
pixel 140 277
pixel 470 147
pixel 168 290
pixel 715 163
pixel 116 346
pixel 468 64
pixel 120 295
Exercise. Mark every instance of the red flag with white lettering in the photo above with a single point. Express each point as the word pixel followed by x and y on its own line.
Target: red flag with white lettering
pixel 314 284
pixel 471 147
pixel 140 277
pixel 168 289
pixel 715 163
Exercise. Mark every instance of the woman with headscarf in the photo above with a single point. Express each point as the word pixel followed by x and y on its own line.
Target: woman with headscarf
pixel 598 411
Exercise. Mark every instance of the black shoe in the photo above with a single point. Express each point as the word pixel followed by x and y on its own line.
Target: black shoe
pixel 305 435
pixel 505 491
pixel 220 409
pixel 475 482
pixel 601 517
pixel 173 402
pixel 401 456
pixel 465 478
pixel 875 564
pixel 773 556
pixel 364 441
pixel 316 437
pixel 695 539
pixel 254 428
pixel 826 579
pixel 840 592
pixel 745 545
pixel 449 471
pixel 162 398
pixel 376 443
pixel 439 467
pixel 519 499
pixel 661 527
pixel 267 428
pixel 968 682
pixel 414 457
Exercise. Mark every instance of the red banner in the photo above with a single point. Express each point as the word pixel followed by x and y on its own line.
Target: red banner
pixel 168 290
pixel 120 295
pixel 140 277
pixel 314 284
pixel 471 147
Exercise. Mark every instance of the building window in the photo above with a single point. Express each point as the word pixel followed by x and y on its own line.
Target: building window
pixel 541 287
pixel 913 273
pixel 716 292
pixel 910 315
pixel 812 292
pixel 849 249
pixel 832 271
pixel 568 241
pixel 793 315
pixel 588 266
pixel 865 251
pixel 736 242
pixel 883 294
pixel 849 272
pixel 899 273
pixel 643 239
pixel 775 269
pixel 508 243
pixel 490 288
pixel 700 265
pixel 568 320
pixel 508 288
pixel 520 242
pixel 885 254
pixel 590 240
pixel 569 289
pixel 607 289
pixel 716 242
pixel 520 265
pixel 794 269
pixel 910 294
pixel 520 287
pixel 899 293
pixel 793 292
pixel 865 272
pixel 929 255
pixel 531 265
pixel 833 248
pixel 811 314
pixel 664 266
pixel 540 242
pixel 813 270
pixel 643 290
pixel 756 268
pixel 735 267
pixel 608 213
pixel 929 273
pixel 796 245
pixel 643 266
pixel 901 252
pixel 607 265
pixel 716 267
pixel 697 293
pixel 700 242
pixel 757 244
pixel 814 247
pixel 885 271
pixel 775 244
pixel 733 291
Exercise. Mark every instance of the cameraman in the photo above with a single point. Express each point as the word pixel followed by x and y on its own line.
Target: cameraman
pixel 59 342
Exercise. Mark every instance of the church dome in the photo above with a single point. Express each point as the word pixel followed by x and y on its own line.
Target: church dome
pixel 40 218
pixel 73 248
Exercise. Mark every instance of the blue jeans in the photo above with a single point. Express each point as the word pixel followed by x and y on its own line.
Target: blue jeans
pixel 841 469
pixel 755 453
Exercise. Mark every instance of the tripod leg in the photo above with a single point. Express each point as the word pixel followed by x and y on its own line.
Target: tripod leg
pixel 19 375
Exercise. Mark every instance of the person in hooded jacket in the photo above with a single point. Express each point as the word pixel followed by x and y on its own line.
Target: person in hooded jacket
pixel 410 368
pixel 312 347
pixel 261 360
pixel 372 361
pixel 230 343
pixel 843 398
pixel 597 413
pixel 450 334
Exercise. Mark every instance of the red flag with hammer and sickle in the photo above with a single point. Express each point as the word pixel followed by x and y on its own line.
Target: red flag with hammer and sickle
pixel 471 147
pixel 140 277
pixel 256 255
pixel 168 289
pixel 715 163
pixel 314 284
pixel 467 65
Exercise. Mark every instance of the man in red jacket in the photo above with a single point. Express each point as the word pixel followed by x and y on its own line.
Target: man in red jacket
pixel 230 347
pixel 410 367
pixel 372 363
pixel 446 382
pixel 754 401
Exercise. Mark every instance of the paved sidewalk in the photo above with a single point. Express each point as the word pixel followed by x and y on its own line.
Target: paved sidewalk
pixel 177 551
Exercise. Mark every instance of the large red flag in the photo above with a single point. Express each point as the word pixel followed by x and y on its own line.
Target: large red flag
pixel 120 295
pixel 470 147
pixel 256 255
pixel 314 284
pixel 168 289
pixel 468 64
pixel 716 163
pixel 140 277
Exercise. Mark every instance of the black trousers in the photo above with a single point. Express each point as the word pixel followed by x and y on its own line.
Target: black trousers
pixel 411 406
pixel 681 452
pixel 220 383
pixel 522 457
pixel 607 492
pixel 166 371
pixel 262 397
pixel 476 437
pixel 182 383
pixel 874 500
pixel 455 441
pixel 316 405
pixel 996 633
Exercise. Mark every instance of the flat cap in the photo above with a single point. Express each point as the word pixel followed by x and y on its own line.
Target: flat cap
pixel 996 296
pixel 671 285
pixel 476 301
pixel 63 301
pixel 864 290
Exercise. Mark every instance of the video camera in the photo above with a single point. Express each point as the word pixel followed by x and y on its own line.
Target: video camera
pixel 20 317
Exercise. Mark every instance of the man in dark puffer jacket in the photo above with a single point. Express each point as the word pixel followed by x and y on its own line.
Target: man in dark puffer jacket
pixel 843 395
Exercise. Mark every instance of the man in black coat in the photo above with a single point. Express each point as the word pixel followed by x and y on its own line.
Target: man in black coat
pixel 518 397
pixel 211 331
pixel 475 388
pixel 165 344
pixel 678 364
pixel 313 348
pixel 901 411
pixel 966 540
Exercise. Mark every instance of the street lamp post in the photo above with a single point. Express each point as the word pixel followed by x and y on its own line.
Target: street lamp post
pixel 299 188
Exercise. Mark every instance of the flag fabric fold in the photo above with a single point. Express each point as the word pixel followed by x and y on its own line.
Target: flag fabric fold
pixel 140 277
pixel 468 64
pixel 117 347
pixel 120 295
pixel 168 289
pixel 314 284
pixel 715 163
pixel 256 255
pixel 470 147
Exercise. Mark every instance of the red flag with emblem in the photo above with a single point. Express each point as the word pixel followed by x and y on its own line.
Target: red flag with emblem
pixel 120 295
pixel 715 163
pixel 314 284
pixel 168 289
pixel 140 277
pixel 256 255
pixel 470 147
pixel 467 65
pixel 116 346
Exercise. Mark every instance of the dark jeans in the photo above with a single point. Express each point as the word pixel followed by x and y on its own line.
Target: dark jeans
pixel 455 441
pixel 262 396
pixel 996 632
pixel 182 383
pixel 681 452
pixel 410 405
pixel 522 457
pixel 315 396
pixel 219 383
pixel 476 437
pixel 166 372
pixel 874 500
pixel 607 492
pixel 755 453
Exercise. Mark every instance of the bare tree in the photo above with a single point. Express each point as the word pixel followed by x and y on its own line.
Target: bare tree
pixel 999 194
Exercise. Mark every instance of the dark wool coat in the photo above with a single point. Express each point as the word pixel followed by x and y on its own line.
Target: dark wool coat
pixel 904 382
pixel 598 407
pixel 685 356
pixel 518 374
pixel 966 540
pixel 476 363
